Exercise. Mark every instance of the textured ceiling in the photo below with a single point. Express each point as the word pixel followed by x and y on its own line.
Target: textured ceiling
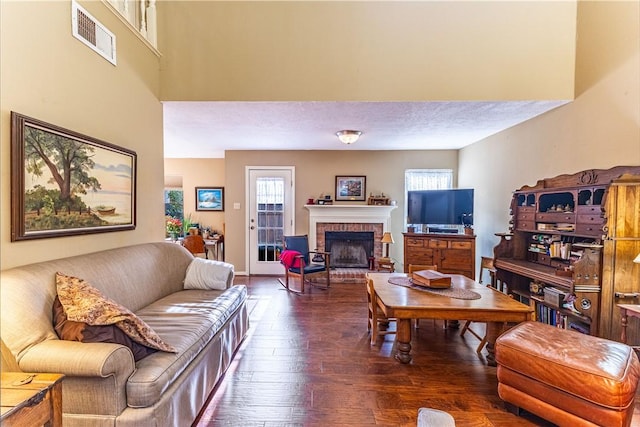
pixel 207 129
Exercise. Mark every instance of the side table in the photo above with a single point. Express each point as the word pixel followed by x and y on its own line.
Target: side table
pixel 384 265
pixel 216 246
pixel 31 399
pixel 627 310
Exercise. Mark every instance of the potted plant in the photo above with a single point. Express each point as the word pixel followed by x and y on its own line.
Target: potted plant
pixel 174 227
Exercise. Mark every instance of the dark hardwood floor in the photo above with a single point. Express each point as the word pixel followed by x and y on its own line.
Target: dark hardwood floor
pixel 307 361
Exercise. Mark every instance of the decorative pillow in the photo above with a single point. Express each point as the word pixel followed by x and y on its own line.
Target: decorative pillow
pixel 208 274
pixel 80 331
pixel 84 303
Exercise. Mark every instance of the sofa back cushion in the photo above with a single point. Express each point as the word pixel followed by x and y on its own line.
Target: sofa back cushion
pixel 133 276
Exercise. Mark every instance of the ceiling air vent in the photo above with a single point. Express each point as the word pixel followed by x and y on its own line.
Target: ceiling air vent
pixel 89 31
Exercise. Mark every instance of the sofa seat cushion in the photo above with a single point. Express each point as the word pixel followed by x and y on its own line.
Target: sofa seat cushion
pixel 600 371
pixel 188 320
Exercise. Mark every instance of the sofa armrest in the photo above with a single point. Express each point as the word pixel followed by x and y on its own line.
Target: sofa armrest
pixel 79 359
pixel 96 374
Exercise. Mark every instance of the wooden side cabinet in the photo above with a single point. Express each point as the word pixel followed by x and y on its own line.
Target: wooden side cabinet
pixel 452 253
pixel 31 399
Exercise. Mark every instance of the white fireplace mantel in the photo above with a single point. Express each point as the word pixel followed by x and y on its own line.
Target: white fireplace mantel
pixel 347 214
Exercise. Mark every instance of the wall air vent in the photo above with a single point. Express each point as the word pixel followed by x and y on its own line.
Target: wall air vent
pixel 89 31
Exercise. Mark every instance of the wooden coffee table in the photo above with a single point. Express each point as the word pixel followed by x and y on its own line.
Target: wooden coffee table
pixel 405 304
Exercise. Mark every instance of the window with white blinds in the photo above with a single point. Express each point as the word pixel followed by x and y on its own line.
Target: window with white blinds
pixel 425 179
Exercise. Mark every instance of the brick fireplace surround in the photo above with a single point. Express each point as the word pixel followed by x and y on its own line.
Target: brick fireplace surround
pixel 323 227
pixel 324 218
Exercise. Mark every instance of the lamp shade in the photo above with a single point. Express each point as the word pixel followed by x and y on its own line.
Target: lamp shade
pixel 348 136
pixel 637 259
pixel 387 237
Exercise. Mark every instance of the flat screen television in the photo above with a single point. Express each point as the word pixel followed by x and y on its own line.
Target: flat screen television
pixel 440 207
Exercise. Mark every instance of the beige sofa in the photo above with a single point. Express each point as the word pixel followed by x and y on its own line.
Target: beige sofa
pixel 103 384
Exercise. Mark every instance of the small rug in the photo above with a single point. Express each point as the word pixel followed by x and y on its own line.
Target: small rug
pixel 458 293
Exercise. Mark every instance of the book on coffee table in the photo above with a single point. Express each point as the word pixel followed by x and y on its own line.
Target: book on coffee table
pixel 431 279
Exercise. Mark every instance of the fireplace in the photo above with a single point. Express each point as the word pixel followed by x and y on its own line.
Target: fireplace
pixel 349 218
pixel 349 249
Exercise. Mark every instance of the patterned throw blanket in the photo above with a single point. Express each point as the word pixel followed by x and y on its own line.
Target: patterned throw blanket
pixel 84 303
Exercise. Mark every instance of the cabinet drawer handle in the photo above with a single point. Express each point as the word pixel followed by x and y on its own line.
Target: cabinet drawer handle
pixel 627 295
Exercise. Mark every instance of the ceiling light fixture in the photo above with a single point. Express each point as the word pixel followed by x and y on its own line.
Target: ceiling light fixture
pixel 348 136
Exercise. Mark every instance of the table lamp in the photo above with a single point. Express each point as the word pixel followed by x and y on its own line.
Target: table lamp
pixel 387 238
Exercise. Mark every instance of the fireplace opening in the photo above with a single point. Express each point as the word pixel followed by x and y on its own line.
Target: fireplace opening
pixel 349 249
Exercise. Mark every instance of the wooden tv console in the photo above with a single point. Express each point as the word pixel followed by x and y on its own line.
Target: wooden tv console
pixel 452 253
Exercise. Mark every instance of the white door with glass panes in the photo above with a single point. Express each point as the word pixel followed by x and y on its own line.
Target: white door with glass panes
pixel 270 216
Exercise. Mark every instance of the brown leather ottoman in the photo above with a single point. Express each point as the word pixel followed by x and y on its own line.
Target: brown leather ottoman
pixel 566 377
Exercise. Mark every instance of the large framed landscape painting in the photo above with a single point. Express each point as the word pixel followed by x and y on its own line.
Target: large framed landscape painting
pixel 64 183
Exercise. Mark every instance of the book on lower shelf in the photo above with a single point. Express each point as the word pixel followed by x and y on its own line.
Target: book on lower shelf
pixel 546 314
pixel 579 327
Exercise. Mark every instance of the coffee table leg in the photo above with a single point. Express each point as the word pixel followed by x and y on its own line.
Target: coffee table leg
pixel 403 340
pixel 494 329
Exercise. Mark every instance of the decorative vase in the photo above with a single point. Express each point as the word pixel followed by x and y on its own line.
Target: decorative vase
pixel 174 236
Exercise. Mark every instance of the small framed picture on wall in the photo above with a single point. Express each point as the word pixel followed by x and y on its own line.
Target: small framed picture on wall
pixel 351 188
pixel 210 199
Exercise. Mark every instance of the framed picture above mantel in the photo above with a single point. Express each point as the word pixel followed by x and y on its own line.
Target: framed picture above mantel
pixel 351 188
pixel 64 183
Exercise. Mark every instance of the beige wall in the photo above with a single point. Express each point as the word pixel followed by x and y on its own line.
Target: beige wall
pixel 49 75
pixel 367 51
pixel 315 174
pixel 199 173
pixel 600 129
